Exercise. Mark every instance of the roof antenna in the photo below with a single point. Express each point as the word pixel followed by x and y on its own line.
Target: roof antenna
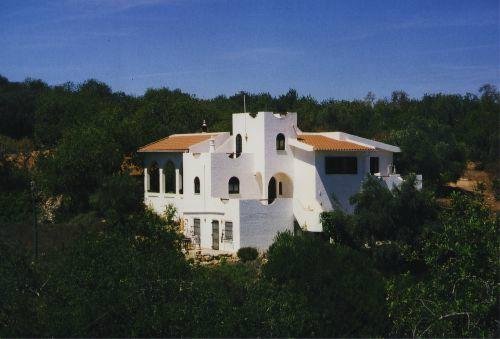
pixel 204 127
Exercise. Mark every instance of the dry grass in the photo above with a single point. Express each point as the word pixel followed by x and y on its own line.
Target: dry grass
pixel 470 180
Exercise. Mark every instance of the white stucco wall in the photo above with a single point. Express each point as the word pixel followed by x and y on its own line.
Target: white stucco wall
pixel 340 186
pixel 241 167
pixel 260 223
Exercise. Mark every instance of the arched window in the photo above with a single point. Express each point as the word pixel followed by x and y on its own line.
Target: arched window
pixel 234 185
pixel 169 173
pixel 238 144
pixel 196 185
pixel 154 178
pixel 280 142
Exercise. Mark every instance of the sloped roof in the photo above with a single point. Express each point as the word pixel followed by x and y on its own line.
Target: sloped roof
pixel 176 142
pixel 323 143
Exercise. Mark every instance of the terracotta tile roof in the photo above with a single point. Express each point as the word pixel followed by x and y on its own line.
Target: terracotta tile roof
pixel 322 143
pixel 176 142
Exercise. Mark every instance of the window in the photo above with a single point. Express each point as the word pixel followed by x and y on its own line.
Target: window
pixel 280 188
pixel 238 144
pixel 234 185
pixel 154 178
pixel 196 228
pixel 374 165
pixel 280 142
pixel 228 231
pixel 169 172
pixel 341 165
pixel 196 185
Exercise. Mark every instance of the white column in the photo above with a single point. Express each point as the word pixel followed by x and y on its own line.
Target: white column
pixel 162 182
pixel 177 181
pixel 146 180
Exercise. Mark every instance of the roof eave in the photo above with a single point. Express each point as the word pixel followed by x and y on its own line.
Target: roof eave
pixel 164 151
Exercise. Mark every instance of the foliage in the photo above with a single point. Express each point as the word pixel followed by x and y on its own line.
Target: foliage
pixel 119 195
pixel 83 158
pixel 385 223
pixel 430 148
pixel 459 296
pixel 381 214
pixel 122 282
pixel 247 254
pixel 17 291
pixel 15 207
pixel 344 296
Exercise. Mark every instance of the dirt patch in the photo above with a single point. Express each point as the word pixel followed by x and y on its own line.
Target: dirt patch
pixel 472 178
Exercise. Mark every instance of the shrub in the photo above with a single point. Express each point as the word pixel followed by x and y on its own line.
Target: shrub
pixel 15 207
pixel 247 254
pixel 343 296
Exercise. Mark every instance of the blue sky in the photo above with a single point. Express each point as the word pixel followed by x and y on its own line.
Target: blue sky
pixel 328 49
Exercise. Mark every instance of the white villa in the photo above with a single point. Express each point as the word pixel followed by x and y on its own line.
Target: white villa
pixel 239 189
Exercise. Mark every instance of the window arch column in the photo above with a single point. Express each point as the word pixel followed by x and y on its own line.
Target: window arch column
pixel 162 181
pixel 178 179
pixel 146 179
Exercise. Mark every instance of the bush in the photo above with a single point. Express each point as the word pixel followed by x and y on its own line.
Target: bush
pixel 119 195
pixel 15 207
pixel 247 254
pixel 343 296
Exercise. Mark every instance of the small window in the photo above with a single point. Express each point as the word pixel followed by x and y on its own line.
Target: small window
pixel 280 142
pixel 228 231
pixel 374 165
pixel 341 165
pixel 196 228
pixel 196 185
pixel 280 188
pixel 238 144
pixel 234 185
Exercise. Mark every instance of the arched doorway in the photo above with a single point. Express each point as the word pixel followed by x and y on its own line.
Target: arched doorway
pixel 271 190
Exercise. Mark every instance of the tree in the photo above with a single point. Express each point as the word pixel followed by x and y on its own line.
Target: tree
pixel 385 224
pixel 344 296
pixel 84 157
pixel 123 281
pixel 18 312
pixel 118 196
pixel 459 296
pixel 429 148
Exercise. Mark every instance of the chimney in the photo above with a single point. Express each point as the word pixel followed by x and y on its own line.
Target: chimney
pixel 204 127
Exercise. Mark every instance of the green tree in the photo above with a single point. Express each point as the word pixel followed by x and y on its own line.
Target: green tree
pixel 84 157
pixel 344 296
pixel 459 296
pixel 118 196
pixel 124 281
pixel 18 293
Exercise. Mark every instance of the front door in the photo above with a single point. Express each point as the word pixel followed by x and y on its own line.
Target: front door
pixel 215 234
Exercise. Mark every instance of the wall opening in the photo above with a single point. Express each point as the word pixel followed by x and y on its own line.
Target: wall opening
pixel 271 190
pixel 169 173
pixel 154 178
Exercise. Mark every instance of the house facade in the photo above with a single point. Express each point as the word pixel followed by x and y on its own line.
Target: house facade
pixel 239 189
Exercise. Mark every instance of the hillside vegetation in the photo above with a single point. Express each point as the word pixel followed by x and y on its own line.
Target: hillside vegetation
pixel 402 265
